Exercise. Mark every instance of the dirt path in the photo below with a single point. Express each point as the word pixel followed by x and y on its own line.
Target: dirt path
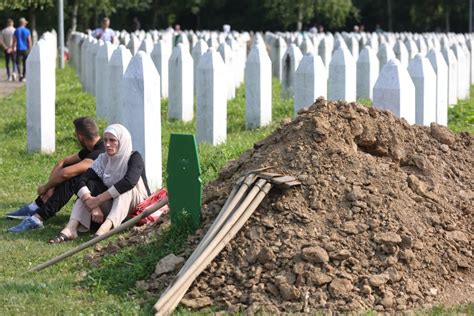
pixel 7 87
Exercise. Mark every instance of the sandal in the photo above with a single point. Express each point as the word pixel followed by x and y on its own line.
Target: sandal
pixel 59 238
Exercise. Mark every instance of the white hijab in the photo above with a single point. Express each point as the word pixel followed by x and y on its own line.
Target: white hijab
pixel 112 169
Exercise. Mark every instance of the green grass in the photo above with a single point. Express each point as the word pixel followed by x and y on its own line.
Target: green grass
pixel 72 286
pixel 461 116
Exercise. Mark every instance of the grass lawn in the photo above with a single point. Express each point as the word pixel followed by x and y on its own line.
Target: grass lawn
pixel 63 289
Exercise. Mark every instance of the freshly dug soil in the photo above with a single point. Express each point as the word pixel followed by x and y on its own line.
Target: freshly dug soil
pixel 383 219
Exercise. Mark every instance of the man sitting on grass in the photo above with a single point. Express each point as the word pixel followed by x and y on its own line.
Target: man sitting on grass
pixel 59 189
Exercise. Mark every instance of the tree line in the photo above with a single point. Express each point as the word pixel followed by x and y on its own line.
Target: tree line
pixel 257 15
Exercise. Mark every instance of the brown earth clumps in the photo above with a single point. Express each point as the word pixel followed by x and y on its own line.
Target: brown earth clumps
pixel 383 219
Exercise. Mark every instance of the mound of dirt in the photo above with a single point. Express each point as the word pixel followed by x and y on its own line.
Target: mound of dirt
pixel 383 220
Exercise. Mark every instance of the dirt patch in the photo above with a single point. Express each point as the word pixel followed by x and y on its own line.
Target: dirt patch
pixel 383 220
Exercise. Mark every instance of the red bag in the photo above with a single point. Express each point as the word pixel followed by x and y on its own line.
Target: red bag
pixel 152 199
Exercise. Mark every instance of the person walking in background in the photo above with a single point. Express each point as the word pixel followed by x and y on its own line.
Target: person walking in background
pixel 7 43
pixel 21 46
pixel 104 33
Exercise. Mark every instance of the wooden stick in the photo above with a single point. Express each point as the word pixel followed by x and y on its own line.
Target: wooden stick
pixel 235 194
pixel 198 252
pixel 167 301
pixel 148 211
pixel 174 301
pixel 232 201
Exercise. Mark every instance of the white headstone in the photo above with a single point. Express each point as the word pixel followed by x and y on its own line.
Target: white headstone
pixel 141 100
pixel 373 42
pixel 306 46
pixel 325 50
pixel 40 98
pixel 84 63
pixel 181 76
pixel 468 57
pixel 101 74
pixel 212 42
pixel 367 73
pixel 291 60
pixel 278 51
pixel 338 42
pixel 424 79
pixel 316 40
pixel 310 81
pixel 92 70
pixel 227 57
pixel 211 99
pixel 198 50
pixel 353 46
pixel 242 57
pixel 463 72
pixel 193 39
pixel 395 91
pixel 452 63
pixel 90 65
pixel 441 69
pixel 401 53
pixel 258 88
pixel 133 44
pixel 342 76
pixel 160 56
pixel 384 54
pixel 147 45
pixel 236 59
pixel 79 39
pixel 470 44
pixel 117 66
pixel 411 47
pixel 422 47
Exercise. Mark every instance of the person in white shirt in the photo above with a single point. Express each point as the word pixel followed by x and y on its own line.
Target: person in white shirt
pixel 104 32
pixel 7 44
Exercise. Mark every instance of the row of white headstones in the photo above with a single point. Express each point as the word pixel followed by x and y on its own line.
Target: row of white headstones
pixel 414 80
pixel 416 83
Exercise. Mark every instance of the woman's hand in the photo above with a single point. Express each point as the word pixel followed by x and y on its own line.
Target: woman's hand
pixel 93 202
pixel 97 215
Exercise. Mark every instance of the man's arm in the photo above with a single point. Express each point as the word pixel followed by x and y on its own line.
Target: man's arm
pixel 30 42
pixel 66 169
pixel 67 161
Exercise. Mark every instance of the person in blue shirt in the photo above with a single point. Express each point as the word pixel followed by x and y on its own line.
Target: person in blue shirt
pixel 21 45
pixel 104 32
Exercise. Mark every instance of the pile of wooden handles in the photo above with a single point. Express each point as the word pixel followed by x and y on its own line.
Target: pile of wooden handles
pixel 242 202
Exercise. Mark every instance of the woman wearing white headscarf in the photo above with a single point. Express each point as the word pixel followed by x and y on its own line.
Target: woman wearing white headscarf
pixel 110 189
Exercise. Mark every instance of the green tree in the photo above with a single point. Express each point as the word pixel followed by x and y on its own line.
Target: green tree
pixel 332 13
pixel 30 5
pixel 90 11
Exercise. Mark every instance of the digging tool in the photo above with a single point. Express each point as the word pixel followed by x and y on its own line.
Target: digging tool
pixel 234 197
pixel 148 211
pixel 210 247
